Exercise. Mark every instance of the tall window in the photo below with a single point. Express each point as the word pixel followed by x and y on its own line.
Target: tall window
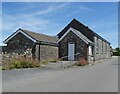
pixel 102 47
pixel 97 46
pixel 105 47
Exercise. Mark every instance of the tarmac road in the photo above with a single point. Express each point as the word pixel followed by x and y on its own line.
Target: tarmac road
pixel 101 77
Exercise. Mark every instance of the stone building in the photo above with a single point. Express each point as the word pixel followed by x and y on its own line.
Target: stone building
pixel 42 47
pixel 77 41
pixel 74 42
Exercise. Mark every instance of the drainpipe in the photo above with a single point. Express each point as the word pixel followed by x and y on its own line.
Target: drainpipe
pixel 39 52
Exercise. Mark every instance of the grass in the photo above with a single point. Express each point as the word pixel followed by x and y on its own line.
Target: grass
pixel 53 61
pixel 50 61
pixel 44 62
pixel 21 62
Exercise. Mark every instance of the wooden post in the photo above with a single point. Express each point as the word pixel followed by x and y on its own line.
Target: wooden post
pixel 33 51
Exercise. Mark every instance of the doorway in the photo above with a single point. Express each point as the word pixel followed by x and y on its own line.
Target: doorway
pixel 71 51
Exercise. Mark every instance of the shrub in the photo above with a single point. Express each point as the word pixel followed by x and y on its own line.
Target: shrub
pixel 50 60
pixel 116 53
pixel 44 62
pixel 0 67
pixel 82 62
pixel 15 64
pixel 53 61
pixel 21 62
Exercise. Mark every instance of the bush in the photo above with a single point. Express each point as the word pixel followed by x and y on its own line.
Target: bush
pixel 53 61
pixel 0 67
pixel 44 62
pixel 22 62
pixel 82 62
pixel 116 53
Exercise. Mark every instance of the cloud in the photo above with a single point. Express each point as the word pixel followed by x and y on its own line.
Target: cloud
pixel 11 24
pixel 112 37
pixel 111 34
pixel 44 11
pixel 50 9
pixel 108 30
pixel 86 8
pixel 8 22
pixel 32 20
pixel 33 23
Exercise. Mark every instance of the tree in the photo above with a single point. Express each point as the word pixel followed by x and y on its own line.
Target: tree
pixel 117 49
pixel 117 53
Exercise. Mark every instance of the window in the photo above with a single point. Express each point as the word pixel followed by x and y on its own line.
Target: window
pixel 97 46
pixel 105 47
pixel 102 47
pixel 92 50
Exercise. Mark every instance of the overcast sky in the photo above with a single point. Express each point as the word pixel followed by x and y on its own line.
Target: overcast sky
pixel 50 18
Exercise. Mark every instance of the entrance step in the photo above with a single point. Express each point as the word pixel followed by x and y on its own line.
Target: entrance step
pixel 60 64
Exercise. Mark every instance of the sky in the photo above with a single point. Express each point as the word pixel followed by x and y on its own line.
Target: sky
pixel 51 17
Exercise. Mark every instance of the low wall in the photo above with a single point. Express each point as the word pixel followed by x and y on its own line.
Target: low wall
pixel 46 52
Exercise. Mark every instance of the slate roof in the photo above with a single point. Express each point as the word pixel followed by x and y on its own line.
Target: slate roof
pixel 40 37
pixel 82 28
pixel 81 35
pixel 36 36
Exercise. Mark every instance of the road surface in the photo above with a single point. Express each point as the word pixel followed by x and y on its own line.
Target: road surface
pixel 101 77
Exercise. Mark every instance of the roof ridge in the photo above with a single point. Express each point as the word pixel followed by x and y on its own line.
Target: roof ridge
pixel 39 36
pixel 35 32
pixel 87 27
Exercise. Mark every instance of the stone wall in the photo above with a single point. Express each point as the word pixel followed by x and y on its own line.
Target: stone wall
pixel 19 44
pixel 80 46
pixel 46 52
pixel 101 49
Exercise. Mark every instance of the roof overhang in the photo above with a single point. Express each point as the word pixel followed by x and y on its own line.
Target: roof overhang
pixel 47 43
pixel 78 33
pixel 19 31
pixel 101 38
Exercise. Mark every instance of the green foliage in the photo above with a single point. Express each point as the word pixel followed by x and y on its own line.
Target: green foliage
pixel 0 67
pixel 16 64
pixel 21 63
pixel 117 49
pixel 49 61
pixel 117 53
pixel 53 61
pixel 44 62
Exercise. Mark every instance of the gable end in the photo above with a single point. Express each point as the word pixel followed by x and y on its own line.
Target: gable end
pixel 80 35
pixel 19 31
